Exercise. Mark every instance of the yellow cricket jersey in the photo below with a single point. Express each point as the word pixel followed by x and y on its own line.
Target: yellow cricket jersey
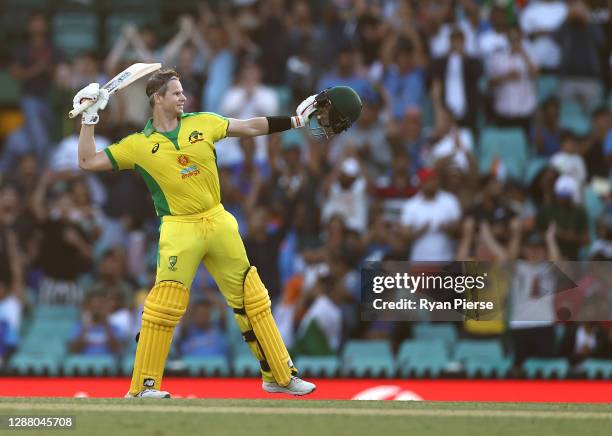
pixel 179 167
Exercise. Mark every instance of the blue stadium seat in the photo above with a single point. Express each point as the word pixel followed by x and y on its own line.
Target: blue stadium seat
pixel 508 145
pixel 207 366
pixel 373 358
pixel 436 330
pixel 317 366
pixel 597 368
pixel 546 368
pixel 423 357
pixel 77 364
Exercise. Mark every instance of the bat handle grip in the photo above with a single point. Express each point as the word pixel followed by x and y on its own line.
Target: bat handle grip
pixel 80 108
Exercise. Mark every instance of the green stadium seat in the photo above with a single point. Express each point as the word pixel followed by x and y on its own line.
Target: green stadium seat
pixel 597 368
pixel 75 32
pixel 487 367
pixel 77 364
pixel 594 207
pixel 356 348
pixel 43 344
pixel 546 86
pixel 56 312
pixel 474 350
pixel 546 368
pixel 24 363
pixel 423 357
pixel 508 146
pixel 9 89
pixel 126 365
pixel 573 118
pixel 206 366
pixel 533 168
pixel 373 358
pixel 436 330
pixel 318 366
pixel 115 22
pixel 246 366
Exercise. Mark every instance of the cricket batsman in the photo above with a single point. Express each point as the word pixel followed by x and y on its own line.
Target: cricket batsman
pixel 175 155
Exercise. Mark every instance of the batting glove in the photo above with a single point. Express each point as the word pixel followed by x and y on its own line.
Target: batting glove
pixel 303 112
pixel 100 98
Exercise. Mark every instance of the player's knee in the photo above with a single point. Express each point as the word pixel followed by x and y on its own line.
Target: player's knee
pixel 166 303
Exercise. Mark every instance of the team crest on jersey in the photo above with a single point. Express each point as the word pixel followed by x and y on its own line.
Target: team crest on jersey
pixel 172 263
pixel 196 136
pixel 183 160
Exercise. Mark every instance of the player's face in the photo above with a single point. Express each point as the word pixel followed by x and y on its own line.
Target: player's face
pixel 173 100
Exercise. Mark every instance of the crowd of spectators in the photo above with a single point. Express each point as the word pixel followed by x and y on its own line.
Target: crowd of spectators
pixel 404 183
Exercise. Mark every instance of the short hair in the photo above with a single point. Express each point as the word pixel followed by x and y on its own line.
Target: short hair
pixel 158 82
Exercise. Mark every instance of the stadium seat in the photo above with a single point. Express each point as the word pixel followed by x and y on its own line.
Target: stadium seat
pixel 437 330
pixel 597 368
pixel 206 366
pixel 508 146
pixel 114 23
pixel 77 364
pixel 245 366
pixel 318 366
pixel 546 368
pixel 487 367
pixel 356 348
pixel 422 357
pixel 56 312
pixel 362 358
pixel 126 365
pixel 9 89
pixel 573 118
pixel 75 32
pixel 35 344
pixel 40 363
pixel 546 86
pixel 533 168
pixel 475 350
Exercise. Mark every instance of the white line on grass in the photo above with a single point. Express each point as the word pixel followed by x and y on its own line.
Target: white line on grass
pixel 168 408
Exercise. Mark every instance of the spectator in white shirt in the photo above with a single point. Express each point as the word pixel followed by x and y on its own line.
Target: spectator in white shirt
pixel 431 220
pixel 512 75
pixel 494 39
pixel 569 162
pixel 539 20
pixel 347 195
pixel 247 99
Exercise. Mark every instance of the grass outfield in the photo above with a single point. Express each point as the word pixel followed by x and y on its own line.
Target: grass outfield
pixel 115 417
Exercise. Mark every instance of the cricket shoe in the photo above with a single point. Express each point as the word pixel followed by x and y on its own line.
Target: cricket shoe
pixel 149 393
pixel 296 386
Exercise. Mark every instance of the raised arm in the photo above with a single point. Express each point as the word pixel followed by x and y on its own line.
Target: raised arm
pixel 89 159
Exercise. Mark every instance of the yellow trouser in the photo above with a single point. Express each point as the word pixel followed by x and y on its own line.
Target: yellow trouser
pixel 184 242
pixel 212 237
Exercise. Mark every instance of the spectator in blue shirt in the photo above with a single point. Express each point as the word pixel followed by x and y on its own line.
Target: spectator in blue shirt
pixel 94 335
pixel 346 73
pixel 202 337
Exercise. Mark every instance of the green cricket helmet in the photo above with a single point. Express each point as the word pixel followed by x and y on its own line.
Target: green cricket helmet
pixel 337 109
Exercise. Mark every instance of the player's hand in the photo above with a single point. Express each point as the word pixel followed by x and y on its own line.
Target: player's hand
pixel 303 112
pixel 100 98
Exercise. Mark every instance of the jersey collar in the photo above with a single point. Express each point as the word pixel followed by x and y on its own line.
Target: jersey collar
pixel 149 129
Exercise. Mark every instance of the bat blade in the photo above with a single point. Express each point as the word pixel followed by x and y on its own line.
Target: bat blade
pixel 120 81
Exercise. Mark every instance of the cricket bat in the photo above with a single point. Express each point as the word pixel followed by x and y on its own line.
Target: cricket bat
pixel 120 81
